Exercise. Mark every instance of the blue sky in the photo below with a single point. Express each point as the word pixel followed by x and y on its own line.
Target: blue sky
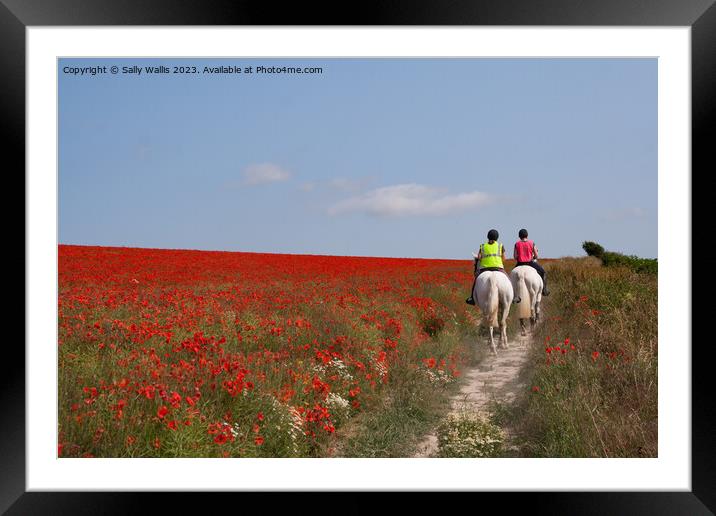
pixel 372 157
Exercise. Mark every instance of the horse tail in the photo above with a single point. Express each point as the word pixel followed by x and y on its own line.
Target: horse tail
pixel 525 305
pixel 493 301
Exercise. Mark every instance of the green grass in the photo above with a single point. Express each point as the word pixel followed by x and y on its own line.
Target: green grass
pixel 416 404
pixel 645 265
pixel 599 398
pixel 469 435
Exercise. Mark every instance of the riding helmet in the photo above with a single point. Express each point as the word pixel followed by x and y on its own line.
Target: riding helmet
pixel 493 234
pixel 523 233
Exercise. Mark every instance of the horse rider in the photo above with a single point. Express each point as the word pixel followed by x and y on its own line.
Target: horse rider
pixel 489 258
pixel 526 254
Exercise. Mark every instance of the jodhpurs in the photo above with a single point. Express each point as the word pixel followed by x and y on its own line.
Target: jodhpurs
pixel 478 271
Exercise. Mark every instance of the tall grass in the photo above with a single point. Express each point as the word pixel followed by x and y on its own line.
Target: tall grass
pixel 593 387
pixel 417 399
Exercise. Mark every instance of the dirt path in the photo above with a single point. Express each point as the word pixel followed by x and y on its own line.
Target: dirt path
pixel 495 378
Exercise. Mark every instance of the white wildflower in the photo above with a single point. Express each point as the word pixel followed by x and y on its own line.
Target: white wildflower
pixel 335 366
pixel 342 369
pixel 338 406
pixel 289 418
pixel 437 376
pixel 381 368
pixel 468 435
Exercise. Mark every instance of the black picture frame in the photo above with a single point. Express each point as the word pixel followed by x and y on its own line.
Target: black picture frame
pixel 700 15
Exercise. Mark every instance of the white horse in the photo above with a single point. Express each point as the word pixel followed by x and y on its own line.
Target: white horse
pixel 493 292
pixel 527 285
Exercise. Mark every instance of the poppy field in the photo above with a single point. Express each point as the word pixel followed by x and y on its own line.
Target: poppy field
pixel 173 353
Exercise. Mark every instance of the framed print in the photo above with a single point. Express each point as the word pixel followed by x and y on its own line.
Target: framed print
pixel 246 253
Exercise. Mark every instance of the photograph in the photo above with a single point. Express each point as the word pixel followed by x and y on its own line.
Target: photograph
pixel 357 257
pixel 415 252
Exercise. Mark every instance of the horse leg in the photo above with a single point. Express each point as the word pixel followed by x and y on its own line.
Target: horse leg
pixel 537 310
pixel 533 317
pixel 503 332
pixel 523 328
pixel 492 342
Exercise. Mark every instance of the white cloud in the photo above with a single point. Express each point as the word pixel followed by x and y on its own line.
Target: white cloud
pixel 259 173
pixel 410 200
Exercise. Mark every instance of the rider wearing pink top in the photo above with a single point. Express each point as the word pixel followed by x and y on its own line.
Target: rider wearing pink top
pixel 526 254
pixel 524 250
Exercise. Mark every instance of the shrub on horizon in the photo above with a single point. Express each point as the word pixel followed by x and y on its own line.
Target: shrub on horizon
pixel 593 249
pixel 614 259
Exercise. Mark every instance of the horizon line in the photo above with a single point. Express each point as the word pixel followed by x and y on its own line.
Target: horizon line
pixel 285 254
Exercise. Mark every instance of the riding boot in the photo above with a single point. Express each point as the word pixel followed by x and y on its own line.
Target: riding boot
pixel 545 292
pixel 470 300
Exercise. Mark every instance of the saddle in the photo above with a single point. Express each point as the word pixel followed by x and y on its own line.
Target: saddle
pixel 492 269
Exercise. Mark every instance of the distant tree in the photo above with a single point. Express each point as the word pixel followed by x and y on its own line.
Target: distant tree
pixel 593 249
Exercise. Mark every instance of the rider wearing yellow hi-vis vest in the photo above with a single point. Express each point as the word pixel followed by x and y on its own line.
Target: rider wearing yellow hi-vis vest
pixel 489 258
pixel 491 254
